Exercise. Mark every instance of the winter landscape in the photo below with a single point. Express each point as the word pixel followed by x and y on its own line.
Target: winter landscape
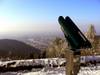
pixel 34 67
pixel 51 66
pixel 49 37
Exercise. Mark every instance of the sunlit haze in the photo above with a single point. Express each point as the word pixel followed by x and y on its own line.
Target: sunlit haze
pixel 29 16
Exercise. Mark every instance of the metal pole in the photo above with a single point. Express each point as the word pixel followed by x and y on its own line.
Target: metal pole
pixel 69 64
pixel 73 63
pixel 76 62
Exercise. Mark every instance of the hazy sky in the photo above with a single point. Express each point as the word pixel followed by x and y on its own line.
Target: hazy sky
pixel 18 16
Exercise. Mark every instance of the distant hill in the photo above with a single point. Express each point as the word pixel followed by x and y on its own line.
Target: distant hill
pixel 16 49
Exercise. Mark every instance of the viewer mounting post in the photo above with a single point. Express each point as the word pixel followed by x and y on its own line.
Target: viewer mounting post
pixel 76 41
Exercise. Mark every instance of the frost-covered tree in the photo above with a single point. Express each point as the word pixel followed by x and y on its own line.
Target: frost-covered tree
pixel 91 33
pixel 56 48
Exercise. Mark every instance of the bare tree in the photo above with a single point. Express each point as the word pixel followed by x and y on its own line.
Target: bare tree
pixel 56 48
pixel 91 33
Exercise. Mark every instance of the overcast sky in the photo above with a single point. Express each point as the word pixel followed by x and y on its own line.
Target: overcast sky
pixel 21 16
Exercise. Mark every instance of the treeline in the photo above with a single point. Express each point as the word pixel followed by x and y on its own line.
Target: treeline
pixel 59 46
pixel 56 48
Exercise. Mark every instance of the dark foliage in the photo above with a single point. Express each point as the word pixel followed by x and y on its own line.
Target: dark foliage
pixel 15 49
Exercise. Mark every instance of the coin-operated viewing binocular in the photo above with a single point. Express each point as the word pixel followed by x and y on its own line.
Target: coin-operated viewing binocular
pixel 73 35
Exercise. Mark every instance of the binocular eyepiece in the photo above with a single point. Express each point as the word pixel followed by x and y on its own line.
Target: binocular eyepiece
pixel 73 35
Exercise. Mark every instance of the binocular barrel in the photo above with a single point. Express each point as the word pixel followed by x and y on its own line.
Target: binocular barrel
pixel 73 35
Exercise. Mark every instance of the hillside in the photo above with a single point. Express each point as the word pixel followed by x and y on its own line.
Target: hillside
pixel 16 49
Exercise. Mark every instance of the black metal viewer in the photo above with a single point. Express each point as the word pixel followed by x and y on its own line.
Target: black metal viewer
pixel 73 35
pixel 76 41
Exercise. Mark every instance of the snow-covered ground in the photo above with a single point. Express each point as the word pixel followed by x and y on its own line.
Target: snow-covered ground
pixel 89 70
pixel 44 71
pixel 48 68
pixel 32 62
pixel 57 71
